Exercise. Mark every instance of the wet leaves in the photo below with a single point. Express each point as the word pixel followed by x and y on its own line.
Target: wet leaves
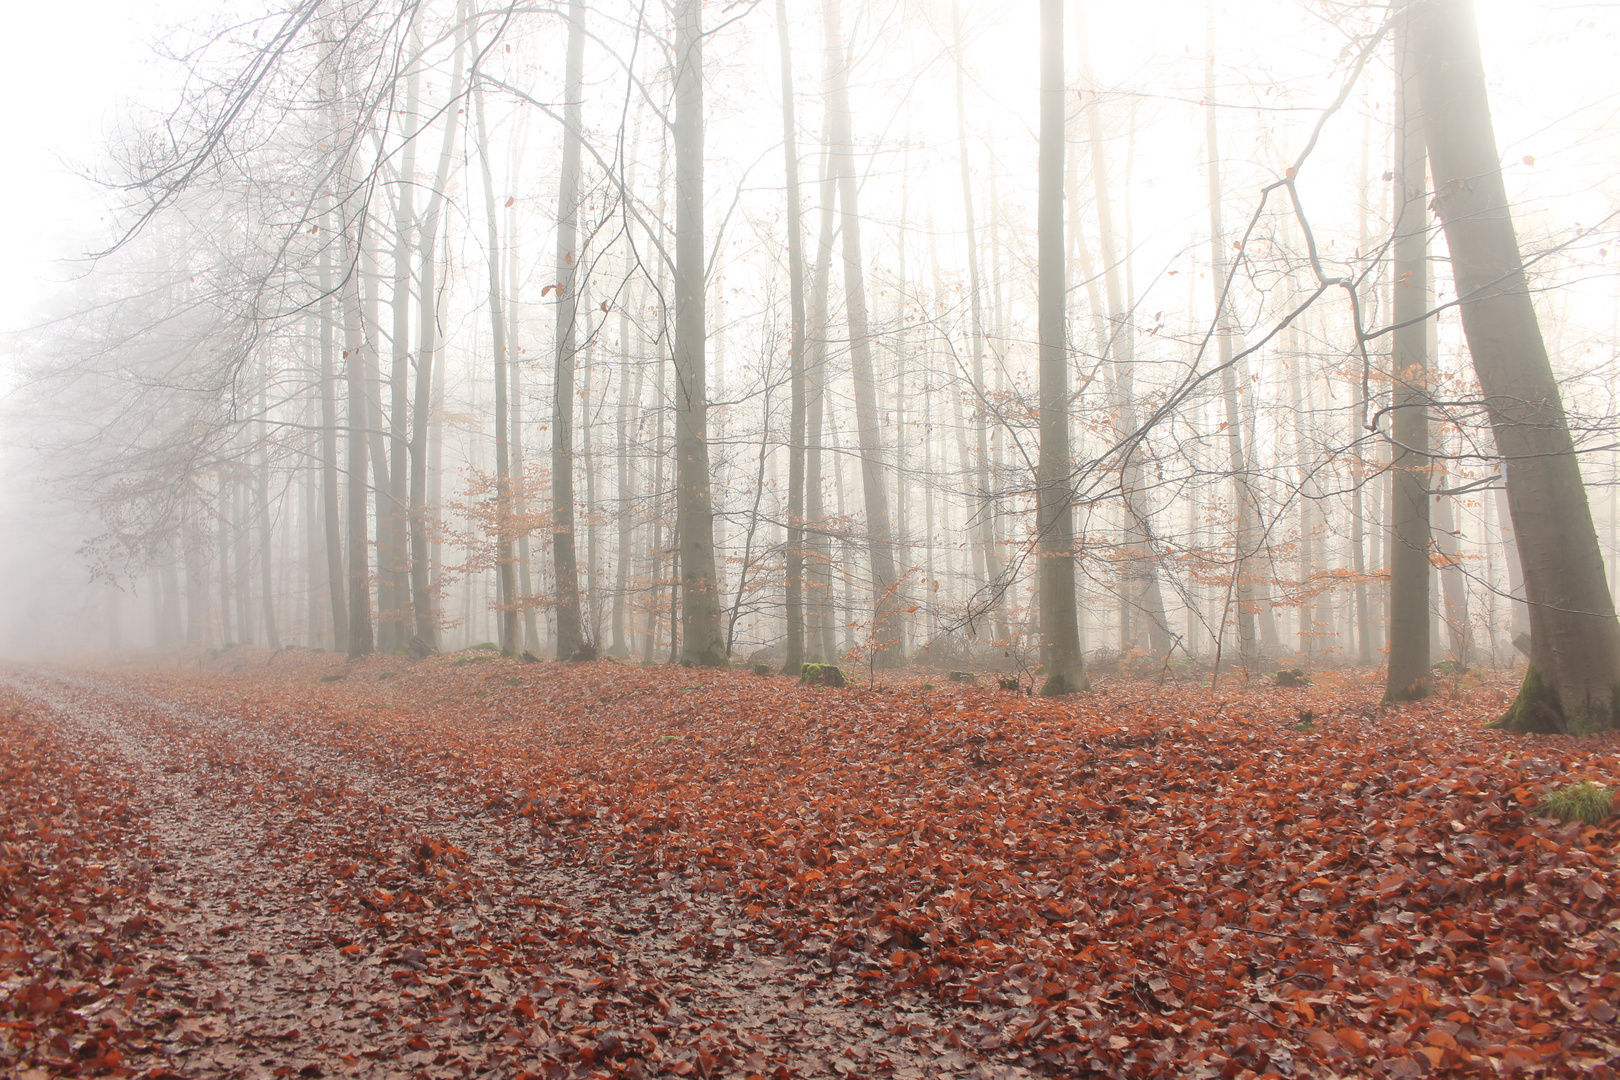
pixel 1143 881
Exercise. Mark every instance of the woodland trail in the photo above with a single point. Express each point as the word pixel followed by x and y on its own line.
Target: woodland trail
pixel 271 864
pixel 255 963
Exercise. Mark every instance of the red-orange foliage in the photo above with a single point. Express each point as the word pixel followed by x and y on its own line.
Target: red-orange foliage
pixel 1141 881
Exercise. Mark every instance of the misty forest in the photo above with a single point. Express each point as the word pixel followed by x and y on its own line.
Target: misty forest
pixel 810 538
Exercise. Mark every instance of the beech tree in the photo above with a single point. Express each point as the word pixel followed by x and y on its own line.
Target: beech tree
pixel 1573 679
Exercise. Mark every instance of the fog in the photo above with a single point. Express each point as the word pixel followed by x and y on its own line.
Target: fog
pixel 172 266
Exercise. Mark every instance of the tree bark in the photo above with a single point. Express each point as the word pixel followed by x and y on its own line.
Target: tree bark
pixel 1237 459
pixel 1061 658
pixel 395 560
pixel 361 642
pixel 869 436
pixel 423 599
pixel 565 562
pixel 505 577
pixel 1574 677
pixel 793 662
pixel 1409 619
pixel 701 641
pixel 336 579
pixel 988 559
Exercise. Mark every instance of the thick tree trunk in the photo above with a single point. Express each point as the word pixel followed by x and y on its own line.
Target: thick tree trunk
pixel 701 641
pixel 1409 619
pixel 1060 617
pixel 1574 677
pixel 869 436
pixel 794 659
pixel 565 562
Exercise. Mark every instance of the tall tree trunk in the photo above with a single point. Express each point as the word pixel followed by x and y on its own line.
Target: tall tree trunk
pixel 1142 592
pixel 1574 673
pixel 820 648
pixel 261 493
pixel 336 578
pixel 395 559
pixel 505 577
pixel 388 624
pixel 565 561
pixel 1358 468
pixel 794 660
pixel 1060 617
pixel 874 479
pixel 1237 460
pixel 701 641
pixel 424 599
pixel 520 497
pixel 620 647
pixel 361 641
pixel 988 559
pixel 1409 618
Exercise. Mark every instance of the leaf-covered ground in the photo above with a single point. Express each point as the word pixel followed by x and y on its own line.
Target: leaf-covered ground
pixel 284 864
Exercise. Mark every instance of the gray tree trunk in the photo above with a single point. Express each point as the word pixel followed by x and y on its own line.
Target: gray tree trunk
pixel 332 513
pixel 869 436
pixel 1409 619
pixel 505 577
pixel 1243 591
pixel 1575 640
pixel 424 600
pixel 701 641
pixel 1061 658
pixel 565 562
pixel 794 659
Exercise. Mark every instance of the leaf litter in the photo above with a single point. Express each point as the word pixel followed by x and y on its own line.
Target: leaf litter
pixel 444 869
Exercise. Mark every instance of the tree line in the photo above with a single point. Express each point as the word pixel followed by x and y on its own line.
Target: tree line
pixel 912 387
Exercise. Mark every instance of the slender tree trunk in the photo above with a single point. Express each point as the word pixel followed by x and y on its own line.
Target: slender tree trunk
pixel 1575 640
pixel 1142 594
pixel 1060 618
pixel 361 642
pixel 1237 459
pixel 989 562
pixel 396 558
pixel 820 647
pixel 505 577
pixel 1409 618
pixel 520 480
pixel 424 596
pixel 261 492
pixel 620 647
pixel 701 641
pixel 388 624
pixel 794 659
pixel 565 562
pixel 874 479
pixel 336 578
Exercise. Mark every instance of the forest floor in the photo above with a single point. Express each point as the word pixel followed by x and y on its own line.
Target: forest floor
pixel 286 864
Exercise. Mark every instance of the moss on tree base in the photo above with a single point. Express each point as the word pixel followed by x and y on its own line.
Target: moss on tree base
pixel 1059 685
pixel 1416 692
pixel 1534 711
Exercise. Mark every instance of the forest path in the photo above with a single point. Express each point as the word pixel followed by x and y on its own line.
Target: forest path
pixel 316 913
